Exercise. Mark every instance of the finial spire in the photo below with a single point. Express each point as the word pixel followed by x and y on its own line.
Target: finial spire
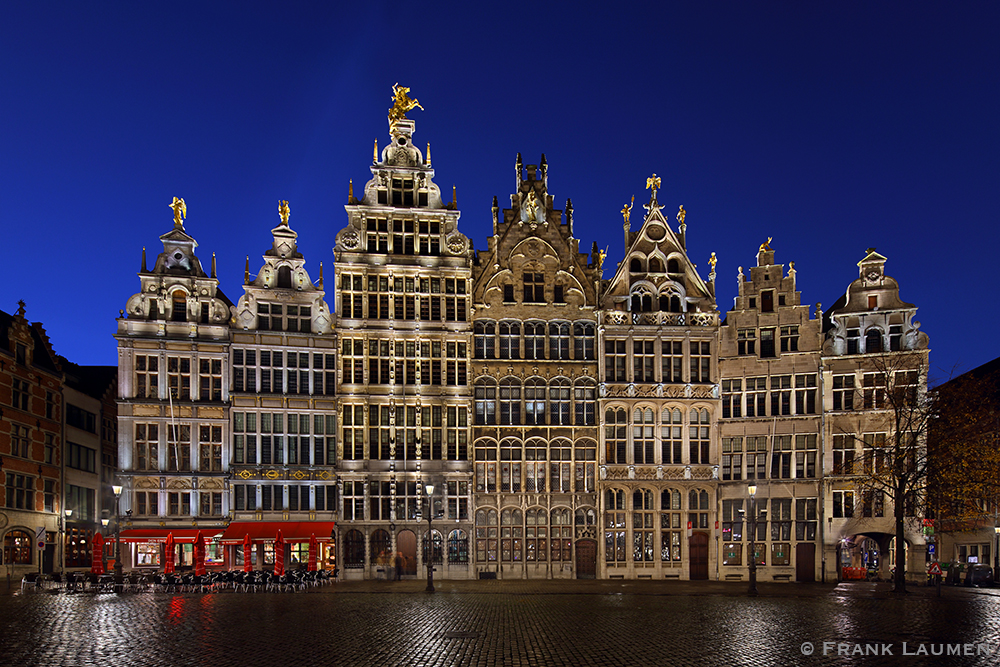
pixel 428 153
pixel 321 275
pixel 350 191
pixel 20 308
pixel 246 272
pixel 454 196
pixel 144 259
pixel 375 152
pixel 213 265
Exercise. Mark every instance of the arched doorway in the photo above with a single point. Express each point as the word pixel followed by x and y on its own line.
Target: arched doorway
pixel 406 544
pixel 698 556
pixel 586 559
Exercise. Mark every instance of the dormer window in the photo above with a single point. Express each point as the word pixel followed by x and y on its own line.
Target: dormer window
pixel 873 341
pixel 655 266
pixel 872 301
pixel 284 277
pixel 767 301
pixel 21 354
pixel 179 313
pixel 534 288
pixel 673 266
pixel 853 341
pixel 402 192
pixel 635 266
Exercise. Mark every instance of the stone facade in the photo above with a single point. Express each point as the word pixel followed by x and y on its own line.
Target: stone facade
pixel 535 375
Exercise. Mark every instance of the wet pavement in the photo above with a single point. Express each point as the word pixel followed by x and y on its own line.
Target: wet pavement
pixel 515 623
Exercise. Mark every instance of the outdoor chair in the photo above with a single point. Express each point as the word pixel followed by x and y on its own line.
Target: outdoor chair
pixel 30 580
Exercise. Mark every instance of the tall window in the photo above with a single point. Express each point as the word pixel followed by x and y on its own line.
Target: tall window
pixel 585 402
pixel 534 340
pixel 81 458
pixel 670 525
pixel 354 501
pixel 805 394
pixel 534 401
pixel 874 390
pixel 615 435
pixel 781 519
pixel 486 401
pixel 20 441
pixel 781 395
pixel 354 432
pixel 732 398
pixel 179 378
pixel 643 439
pixel 179 503
pixel 843 504
pixel 535 537
pixel 671 435
pixel 756 457
pixel 487 536
pixel 458 501
pixel 698 440
pixel 746 342
pixel 458 433
pixel 843 392
pixel 484 334
pixel 456 364
pixel 875 453
pixel 732 458
pixel 560 467
pixel 354 549
pixel 535 467
pixel 756 402
pixel 586 458
pixel 615 361
pixel 17 547
pixel 559 391
pixel 767 343
pixel 511 535
pixel 781 457
pixel 805 455
pixel 701 361
pixel 790 338
pixel 210 379
pixel 805 518
pixel 20 492
pixel 583 340
pixel 558 340
pixel 614 526
pixel 179 447
pixel 732 521
pixel 210 448
pixel 510 340
pixel 146 376
pixel 455 300
pixel 642 525
pixel 351 304
pixel 534 287
pixel 843 454
pixel 643 361
pixel 673 361
pixel 698 509
pixel 486 467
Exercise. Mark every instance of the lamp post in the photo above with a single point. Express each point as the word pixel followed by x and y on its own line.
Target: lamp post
pixel 118 531
pixel 67 513
pixel 752 591
pixel 429 488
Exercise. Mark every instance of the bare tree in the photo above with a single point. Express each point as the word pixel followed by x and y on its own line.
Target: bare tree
pixel 895 399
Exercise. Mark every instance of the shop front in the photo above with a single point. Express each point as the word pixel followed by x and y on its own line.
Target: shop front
pixel 295 536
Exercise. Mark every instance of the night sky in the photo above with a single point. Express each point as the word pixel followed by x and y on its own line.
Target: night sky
pixel 831 127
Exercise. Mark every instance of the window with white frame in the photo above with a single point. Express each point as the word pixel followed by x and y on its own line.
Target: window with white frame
pixel 732 458
pixel 805 394
pixel 643 436
pixel 643 361
pixel 585 402
pixel 701 361
pixel 643 515
pixel 672 364
pixel 756 397
pixel 615 360
pixel 147 376
pixel 732 395
pixel 671 519
pixel 698 436
pixel 844 447
pixel 671 435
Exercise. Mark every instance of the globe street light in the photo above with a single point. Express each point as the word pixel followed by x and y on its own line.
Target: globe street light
pixel 752 489
pixel 429 488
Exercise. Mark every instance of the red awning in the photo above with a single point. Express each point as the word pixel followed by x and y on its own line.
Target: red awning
pixel 266 531
pixel 181 535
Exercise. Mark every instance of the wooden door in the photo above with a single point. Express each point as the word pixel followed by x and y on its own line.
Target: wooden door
pixel 407 542
pixel 698 556
pixel 586 559
pixel 805 561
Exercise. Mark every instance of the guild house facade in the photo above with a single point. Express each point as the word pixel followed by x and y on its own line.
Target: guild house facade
pixel 511 412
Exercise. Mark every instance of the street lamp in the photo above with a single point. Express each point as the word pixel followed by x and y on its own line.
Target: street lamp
pixel 752 489
pixel 996 556
pixel 67 513
pixel 429 488
pixel 118 532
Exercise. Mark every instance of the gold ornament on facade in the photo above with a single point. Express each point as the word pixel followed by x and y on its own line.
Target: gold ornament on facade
pixel 180 212
pixel 283 211
pixel 653 183
pixel 401 103
pixel 766 246
pixel 681 214
pixel 712 261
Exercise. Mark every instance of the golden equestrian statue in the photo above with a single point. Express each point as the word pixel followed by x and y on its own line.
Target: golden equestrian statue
pixel 284 211
pixel 766 245
pixel 180 211
pixel 401 103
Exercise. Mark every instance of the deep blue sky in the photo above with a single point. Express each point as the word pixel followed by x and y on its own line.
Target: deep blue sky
pixel 831 127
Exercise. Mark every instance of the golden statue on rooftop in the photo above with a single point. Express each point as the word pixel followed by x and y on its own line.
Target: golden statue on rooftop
pixel 284 211
pixel 627 211
pixel 713 261
pixel 653 183
pixel 402 103
pixel 180 211
pixel 681 214
pixel 766 246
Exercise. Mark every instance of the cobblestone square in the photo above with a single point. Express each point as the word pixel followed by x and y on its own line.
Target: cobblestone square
pixel 499 623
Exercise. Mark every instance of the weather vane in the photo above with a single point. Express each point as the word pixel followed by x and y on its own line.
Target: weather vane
pixel 180 211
